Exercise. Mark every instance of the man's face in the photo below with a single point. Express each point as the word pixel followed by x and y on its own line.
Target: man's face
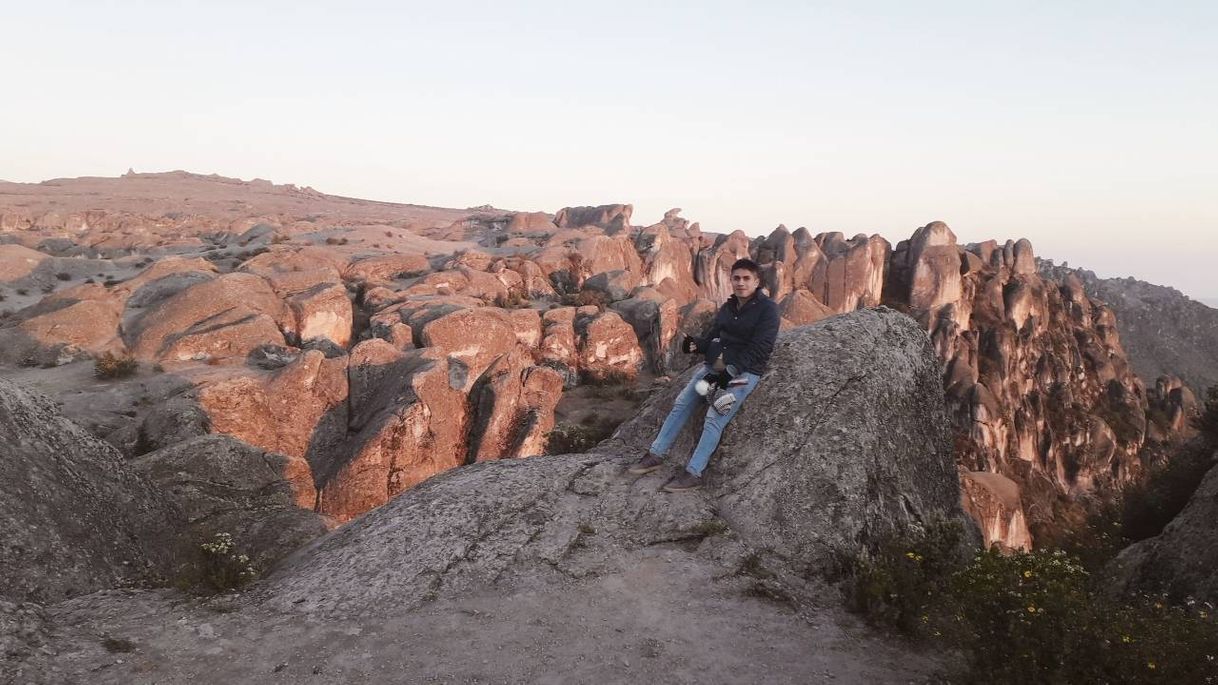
pixel 744 283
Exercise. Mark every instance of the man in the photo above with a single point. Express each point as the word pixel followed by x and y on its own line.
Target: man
pixel 736 350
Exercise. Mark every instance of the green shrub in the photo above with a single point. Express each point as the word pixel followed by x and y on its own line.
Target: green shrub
pixel 899 585
pixel 1034 617
pixel 1016 616
pixel 110 366
pixel 224 567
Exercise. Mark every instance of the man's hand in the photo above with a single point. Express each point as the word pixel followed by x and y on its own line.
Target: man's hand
pixel 689 345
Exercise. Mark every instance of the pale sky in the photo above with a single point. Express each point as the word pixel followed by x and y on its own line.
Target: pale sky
pixel 1090 128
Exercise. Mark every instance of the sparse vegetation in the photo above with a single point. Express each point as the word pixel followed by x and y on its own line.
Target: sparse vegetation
pixel 332 240
pixel 513 299
pixel 567 438
pixel 63 276
pixel 110 366
pixel 22 292
pixel 1034 617
pixel 608 377
pixel 224 566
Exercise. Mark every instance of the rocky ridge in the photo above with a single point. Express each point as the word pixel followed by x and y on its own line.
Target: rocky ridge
pixel 860 449
pixel 380 355
pixel 1164 332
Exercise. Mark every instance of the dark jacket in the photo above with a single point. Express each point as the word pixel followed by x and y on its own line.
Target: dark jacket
pixel 744 335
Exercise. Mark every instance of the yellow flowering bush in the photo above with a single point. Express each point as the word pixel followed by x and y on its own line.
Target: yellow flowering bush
pixel 1034 617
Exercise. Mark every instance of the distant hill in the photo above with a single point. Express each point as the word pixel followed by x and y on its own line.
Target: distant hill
pixel 1162 330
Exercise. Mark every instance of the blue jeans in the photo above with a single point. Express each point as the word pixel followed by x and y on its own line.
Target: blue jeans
pixel 712 427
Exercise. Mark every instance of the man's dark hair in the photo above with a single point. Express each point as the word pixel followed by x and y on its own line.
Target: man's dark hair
pixel 746 263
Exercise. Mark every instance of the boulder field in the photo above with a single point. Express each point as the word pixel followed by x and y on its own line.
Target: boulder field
pixel 383 344
pixel 559 567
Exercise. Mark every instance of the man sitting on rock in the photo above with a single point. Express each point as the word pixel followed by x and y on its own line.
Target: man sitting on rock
pixel 736 350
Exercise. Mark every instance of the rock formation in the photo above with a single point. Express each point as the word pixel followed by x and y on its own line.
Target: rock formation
pixel 74 518
pixel 1179 561
pixel 276 318
pixel 859 449
pixel 1163 332
pixel 226 486
pixel 562 541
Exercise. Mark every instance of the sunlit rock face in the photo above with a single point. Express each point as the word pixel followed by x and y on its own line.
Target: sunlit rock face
pixel 1040 389
pixel 382 344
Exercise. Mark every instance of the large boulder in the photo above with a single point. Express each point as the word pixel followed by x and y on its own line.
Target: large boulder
pixel 1181 560
pixel 299 410
pixel 62 327
pixel 227 486
pixel 609 350
pixel 74 517
pixel 844 442
pixel 228 316
pixel 613 218
pixel 512 407
pixel 407 423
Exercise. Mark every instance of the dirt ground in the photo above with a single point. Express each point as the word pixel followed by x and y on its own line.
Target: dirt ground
pixel 672 617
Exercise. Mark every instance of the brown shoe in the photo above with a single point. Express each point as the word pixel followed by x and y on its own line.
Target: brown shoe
pixel 683 481
pixel 646 465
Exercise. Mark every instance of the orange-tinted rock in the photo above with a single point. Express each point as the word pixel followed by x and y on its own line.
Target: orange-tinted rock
pixel 387 267
pixel 993 501
pixel 282 260
pixel 526 323
pixel 534 281
pixel 573 255
pixel 512 406
pixel 323 311
pixel 408 422
pixel 713 266
pixel 224 317
pixel 71 324
pixel 608 348
pixel 613 218
pixel 531 222
pixel 471 339
pixel 656 321
pixel 801 308
pixel 299 411
pixel 926 269
pixel 17 262
pixel 853 275
pixel 612 285
pixel 667 259
pixel 558 344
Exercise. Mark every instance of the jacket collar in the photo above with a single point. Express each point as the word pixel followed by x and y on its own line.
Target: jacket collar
pixel 758 296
